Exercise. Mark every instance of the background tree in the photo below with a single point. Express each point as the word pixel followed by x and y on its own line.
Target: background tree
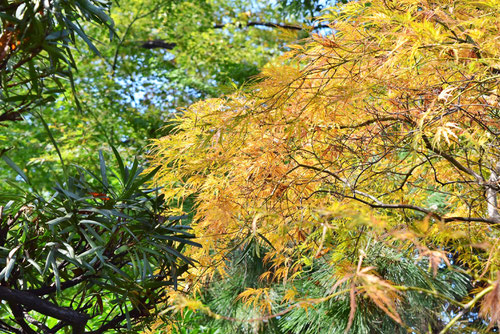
pixel 124 95
pixel 381 136
pixel 36 40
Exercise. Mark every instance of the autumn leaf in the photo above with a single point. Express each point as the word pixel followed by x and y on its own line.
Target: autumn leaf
pixel 490 305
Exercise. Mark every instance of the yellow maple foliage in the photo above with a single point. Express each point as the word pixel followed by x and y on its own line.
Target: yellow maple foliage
pixel 384 130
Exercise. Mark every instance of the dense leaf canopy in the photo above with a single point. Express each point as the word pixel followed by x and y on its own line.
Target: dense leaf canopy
pixel 36 42
pixel 380 135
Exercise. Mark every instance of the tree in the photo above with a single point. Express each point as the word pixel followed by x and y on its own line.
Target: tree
pixel 381 135
pixel 36 40
pixel 98 254
pixel 124 94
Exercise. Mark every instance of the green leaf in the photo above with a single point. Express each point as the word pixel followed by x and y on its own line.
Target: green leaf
pixel 17 98
pixel 52 139
pixel 93 222
pixel 16 168
pixel 120 163
pixel 103 170
pixel 10 18
pixel 69 194
pixel 74 27
pixel 33 76
pixel 11 261
pixel 121 249
pixel 95 234
pixel 34 264
pixel 132 173
pixel 56 35
pixel 48 262
pixel 56 221
pixel 175 253
pixel 95 177
pixel 178 239
pixel 118 271
pixel 55 270
pixel 89 252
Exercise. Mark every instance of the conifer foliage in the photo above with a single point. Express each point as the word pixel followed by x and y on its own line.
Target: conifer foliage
pixel 380 137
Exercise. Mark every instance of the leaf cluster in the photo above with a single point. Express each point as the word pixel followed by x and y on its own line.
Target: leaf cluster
pixel 383 131
pixel 37 39
pixel 97 244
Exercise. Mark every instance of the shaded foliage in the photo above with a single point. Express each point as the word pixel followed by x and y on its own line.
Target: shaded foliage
pixel 98 248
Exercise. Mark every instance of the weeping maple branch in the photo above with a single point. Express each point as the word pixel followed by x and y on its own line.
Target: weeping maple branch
pixel 452 160
pixel 375 203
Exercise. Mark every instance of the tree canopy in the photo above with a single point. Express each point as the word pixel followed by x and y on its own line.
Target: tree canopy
pixel 125 93
pixel 378 138
pixel 95 240
pixel 36 42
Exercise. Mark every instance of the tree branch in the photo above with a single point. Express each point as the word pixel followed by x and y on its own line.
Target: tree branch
pixel 31 301
pixel 19 317
pixel 161 44
pixel 158 44
pixel 452 160
pixel 264 24
pixel 433 214
pixel 376 203
pixel 41 326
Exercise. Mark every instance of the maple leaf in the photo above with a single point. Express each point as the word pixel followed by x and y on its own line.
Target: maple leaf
pixel 490 306
pixel 435 258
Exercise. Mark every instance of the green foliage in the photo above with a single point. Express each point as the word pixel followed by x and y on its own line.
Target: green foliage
pixel 420 311
pixel 191 322
pixel 301 7
pixel 98 244
pixel 126 95
pixel 37 39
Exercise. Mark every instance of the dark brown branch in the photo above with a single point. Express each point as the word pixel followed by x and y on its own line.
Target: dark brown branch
pixel 40 325
pixel 423 210
pixel 17 311
pixel 264 24
pixel 158 44
pixel 161 44
pixel 370 121
pixel 10 116
pixel 406 178
pixel 375 203
pixel 452 160
pixel 33 302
